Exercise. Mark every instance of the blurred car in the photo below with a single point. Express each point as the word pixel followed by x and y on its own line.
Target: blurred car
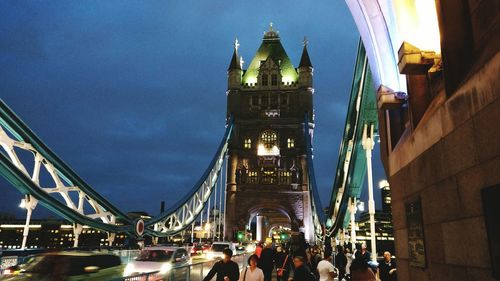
pixel 197 250
pixel 160 259
pixel 70 266
pixel 16 269
pixel 216 249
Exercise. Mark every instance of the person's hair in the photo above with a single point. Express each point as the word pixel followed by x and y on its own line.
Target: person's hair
pixel 300 258
pixel 227 252
pixel 327 254
pixel 359 264
pixel 253 257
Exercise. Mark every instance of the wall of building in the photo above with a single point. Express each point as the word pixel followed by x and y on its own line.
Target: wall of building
pixel 447 151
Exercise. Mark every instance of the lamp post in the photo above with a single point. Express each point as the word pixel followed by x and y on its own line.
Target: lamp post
pixel 368 145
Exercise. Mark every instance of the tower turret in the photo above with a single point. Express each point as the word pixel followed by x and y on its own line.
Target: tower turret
pixel 234 71
pixel 305 69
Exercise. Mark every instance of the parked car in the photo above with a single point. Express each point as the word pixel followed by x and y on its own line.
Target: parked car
pixel 71 266
pixel 215 251
pixel 197 250
pixel 160 259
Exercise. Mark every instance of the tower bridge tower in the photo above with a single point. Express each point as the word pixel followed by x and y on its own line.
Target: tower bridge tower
pixel 267 174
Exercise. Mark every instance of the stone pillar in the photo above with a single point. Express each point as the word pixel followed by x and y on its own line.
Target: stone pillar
pixel 352 211
pixel 260 228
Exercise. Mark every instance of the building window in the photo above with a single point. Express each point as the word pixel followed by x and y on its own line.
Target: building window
pixel 274 79
pixel 269 139
pixel 248 143
pixel 268 145
pixel 290 143
pixel 265 80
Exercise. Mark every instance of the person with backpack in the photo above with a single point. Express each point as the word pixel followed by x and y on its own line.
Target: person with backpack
pixel 252 272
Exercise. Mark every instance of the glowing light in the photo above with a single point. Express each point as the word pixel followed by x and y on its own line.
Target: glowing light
pixel 417 23
pixel 287 79
pixel 251 80
pixel 383 183
pixel 263 151
pixel 22 205
pixel 165 268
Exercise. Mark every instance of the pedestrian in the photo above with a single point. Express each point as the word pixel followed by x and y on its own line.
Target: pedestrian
pixel 326 270
pixel 301 271
pixel 363 253
pixel 315 258
pixel 349 257
pixel 266 261
pixel 387 268
pixel 283 264
pixel 340 261
pixel 226 269
pixel 252 272
pixel 360 271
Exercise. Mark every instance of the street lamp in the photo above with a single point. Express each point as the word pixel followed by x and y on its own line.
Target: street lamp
pixel 361 206
pixel 22 205
pixel 383 183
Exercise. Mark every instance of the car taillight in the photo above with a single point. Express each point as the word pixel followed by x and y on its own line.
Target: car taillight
pixel 7 272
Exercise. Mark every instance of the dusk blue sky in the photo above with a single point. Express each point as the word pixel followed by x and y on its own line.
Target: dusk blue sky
pixel 131 94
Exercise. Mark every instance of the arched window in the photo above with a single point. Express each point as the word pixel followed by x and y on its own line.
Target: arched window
pixel 290 142
pixel 268 144
pixel 265 80
pixel 269 139
pixel 248 143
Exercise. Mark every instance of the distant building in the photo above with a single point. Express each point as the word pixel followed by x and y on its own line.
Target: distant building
pixel 52 234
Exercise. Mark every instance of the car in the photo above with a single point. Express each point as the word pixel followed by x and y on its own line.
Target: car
pixel 71 266
pixel 216 249
pixel 197 250
pixel 160 259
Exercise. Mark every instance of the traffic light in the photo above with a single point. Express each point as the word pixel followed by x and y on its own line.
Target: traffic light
pixel 240 235
pixel 283 236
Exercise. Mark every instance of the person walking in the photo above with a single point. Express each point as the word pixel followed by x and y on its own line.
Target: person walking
pixel 363 253
pixel 349 257
pixel 226 269
pixel 387 268
pixel 283 264
pixel 326 270
pixel 301 271
pixel 266 262
pixel 252 272
pixel 340 261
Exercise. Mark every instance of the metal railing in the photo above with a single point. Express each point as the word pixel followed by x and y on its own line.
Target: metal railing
pixel 188 272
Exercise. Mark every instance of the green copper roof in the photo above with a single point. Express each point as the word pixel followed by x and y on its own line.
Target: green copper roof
pixel 271 47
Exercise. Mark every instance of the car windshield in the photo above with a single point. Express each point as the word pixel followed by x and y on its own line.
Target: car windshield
pixel 219 247
pixel 155 255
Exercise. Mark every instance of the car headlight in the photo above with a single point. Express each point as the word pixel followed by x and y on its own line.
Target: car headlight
pixel 129 269
pixel 165 268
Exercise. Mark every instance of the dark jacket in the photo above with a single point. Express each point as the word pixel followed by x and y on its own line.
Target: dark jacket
pixel 280 260
pixel 384 269
pixel 303 274
pixel 222 269
pixel 266 261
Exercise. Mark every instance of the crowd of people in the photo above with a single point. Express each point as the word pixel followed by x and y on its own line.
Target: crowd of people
pixel 289 263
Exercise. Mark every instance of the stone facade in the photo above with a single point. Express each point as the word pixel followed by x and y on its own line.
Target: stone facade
pixel 450 149
pixel 267 172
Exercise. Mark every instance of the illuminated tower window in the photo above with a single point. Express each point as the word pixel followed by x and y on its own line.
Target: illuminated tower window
pixel 268 145
pixel 274 79
pixel 290 142
pixel 248 143
pixel 265 80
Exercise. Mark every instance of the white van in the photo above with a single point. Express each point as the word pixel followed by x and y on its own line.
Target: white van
pixel 216 249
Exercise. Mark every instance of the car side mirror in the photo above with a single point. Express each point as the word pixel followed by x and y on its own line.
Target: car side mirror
pixel 91 269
